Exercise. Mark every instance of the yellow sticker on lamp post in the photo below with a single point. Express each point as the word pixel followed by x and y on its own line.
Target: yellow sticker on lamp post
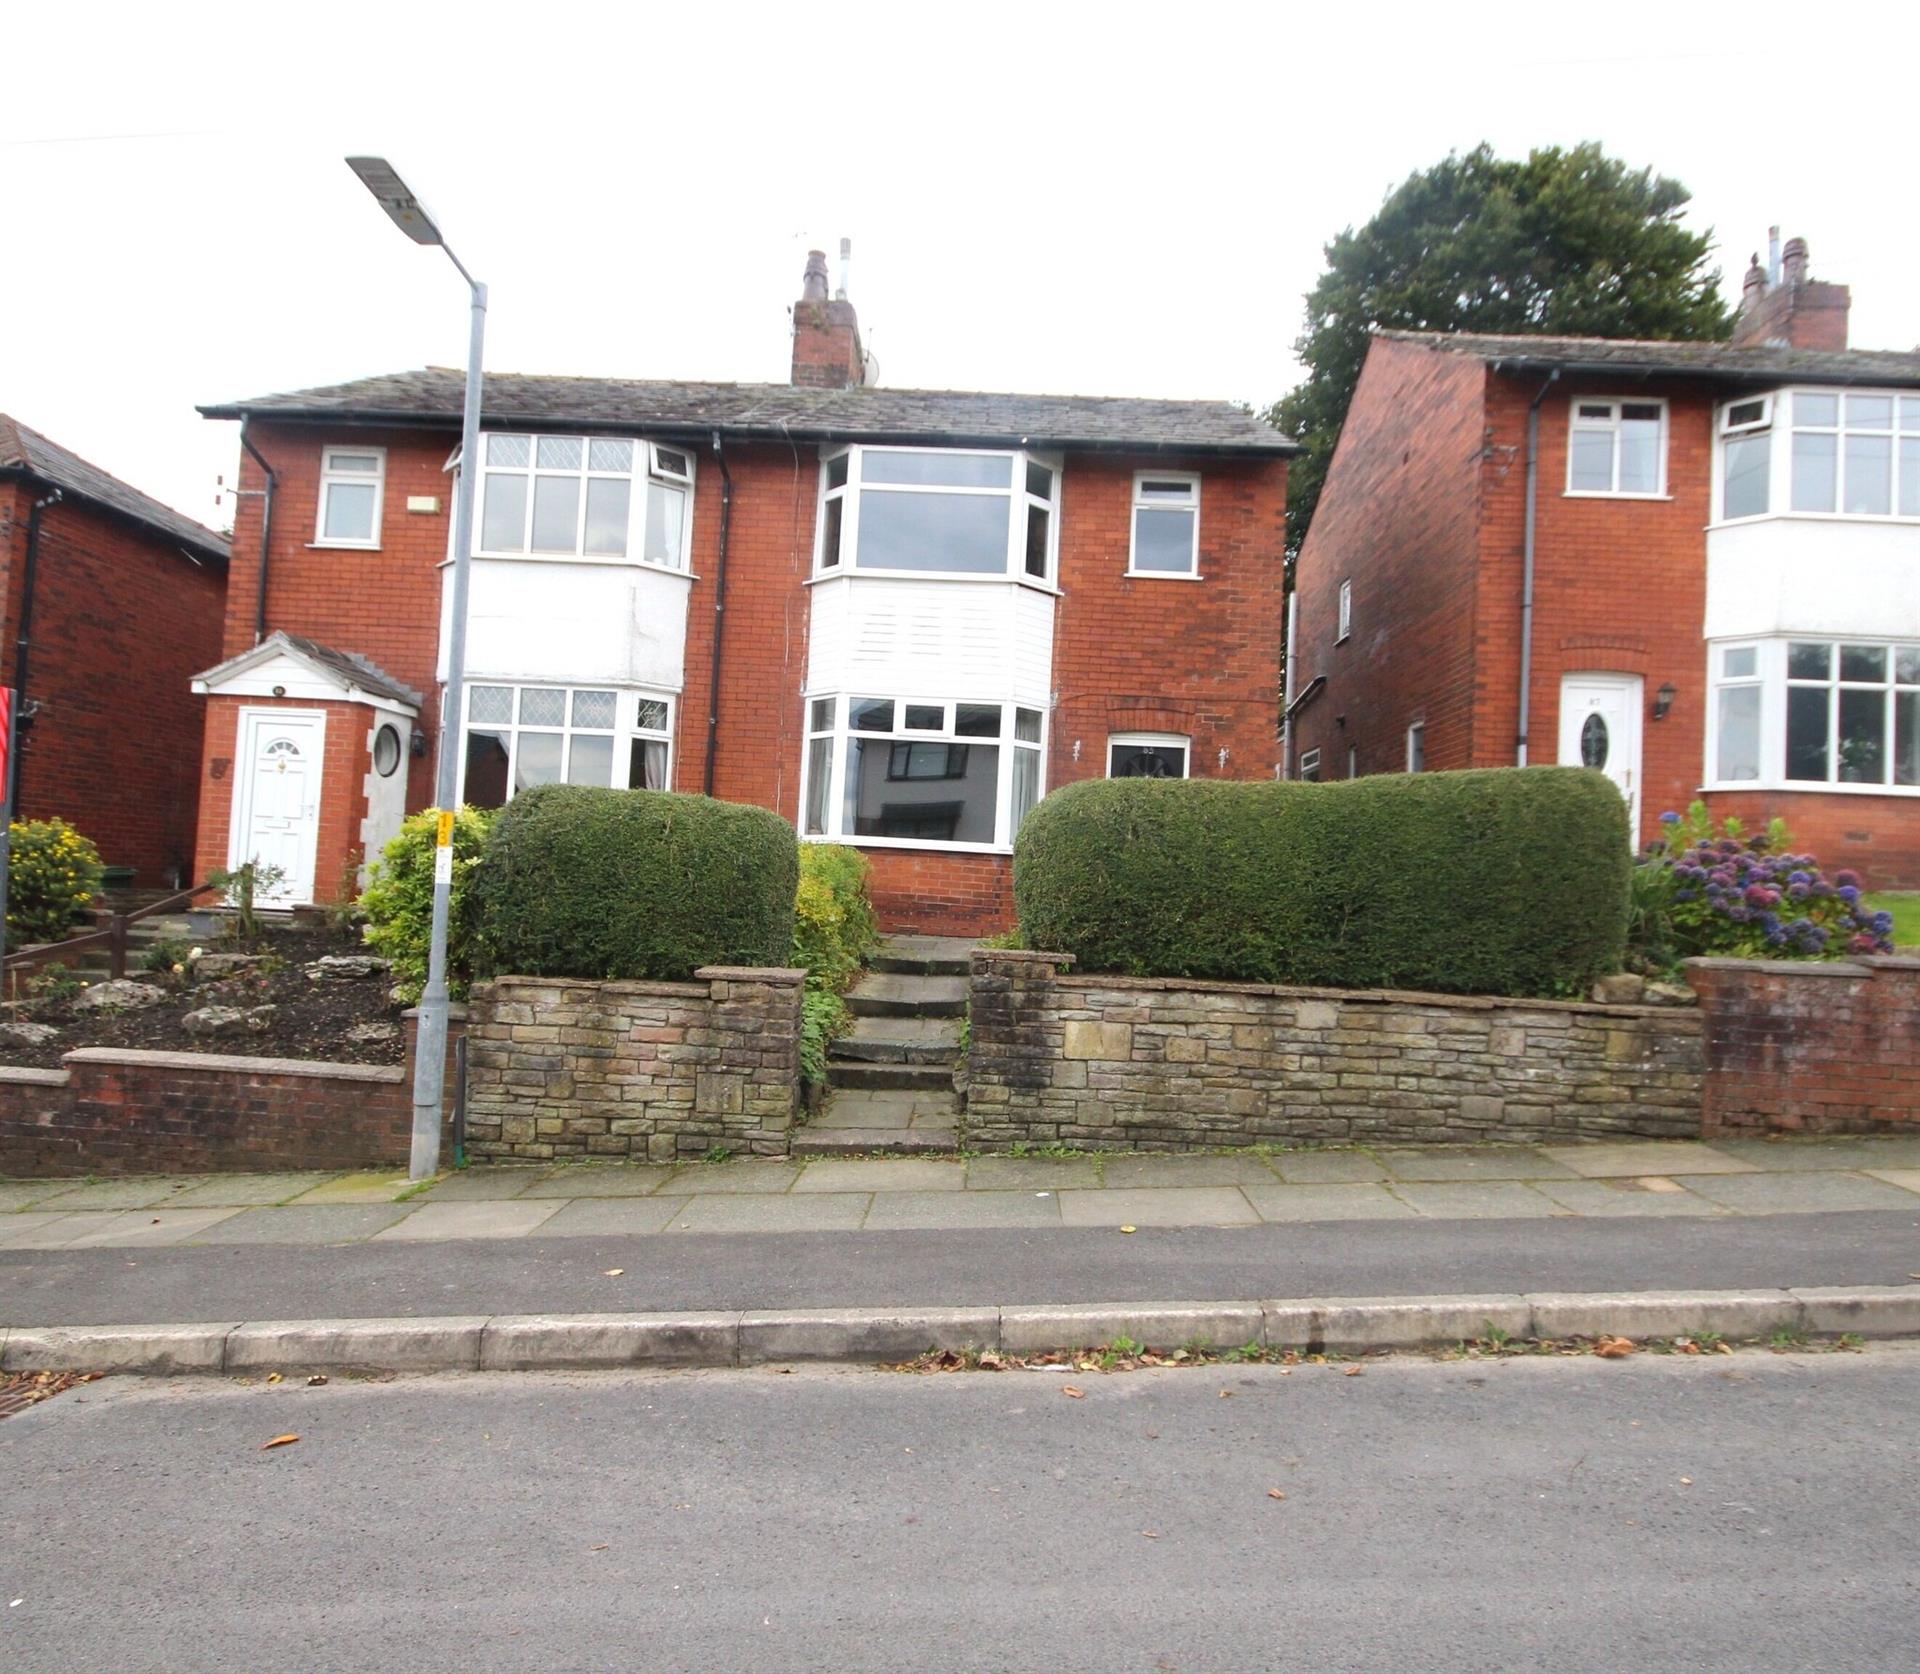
pixel 443 848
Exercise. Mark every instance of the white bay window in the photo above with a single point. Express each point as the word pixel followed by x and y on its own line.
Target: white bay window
pixel 938 511
pixel 913 773
pixel 1811 714
pixel 525 735
pixel 1848 453
pixel 594 497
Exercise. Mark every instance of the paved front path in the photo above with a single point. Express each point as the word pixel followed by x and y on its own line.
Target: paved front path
pixel 1731 1179
pixel 1749 1513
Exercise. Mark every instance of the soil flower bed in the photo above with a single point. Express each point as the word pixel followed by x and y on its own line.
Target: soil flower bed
pixel 283 1003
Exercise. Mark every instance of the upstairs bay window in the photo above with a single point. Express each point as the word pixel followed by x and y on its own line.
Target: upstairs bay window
pixel 1842 453
pixel 1804 713
pixel 934 511
pixel 1746 456
pixel 599 497
pixel 1618 448
pixel 521 736
pixel 907 773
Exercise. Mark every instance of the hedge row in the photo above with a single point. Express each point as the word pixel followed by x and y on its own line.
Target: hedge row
pixel 1499 882
pixel 584 882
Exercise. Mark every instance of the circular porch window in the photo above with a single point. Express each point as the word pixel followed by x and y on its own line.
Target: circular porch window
pixel 386 751
pixel 1593 741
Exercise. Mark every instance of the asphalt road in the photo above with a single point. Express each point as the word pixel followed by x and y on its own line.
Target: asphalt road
pixel 840 1269
pixel 1749 1512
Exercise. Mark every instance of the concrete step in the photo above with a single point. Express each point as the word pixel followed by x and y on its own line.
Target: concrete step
pixel 889 1077
pixel 900 1040
pixel 923 956
pixel 886 994
pixel 875 1142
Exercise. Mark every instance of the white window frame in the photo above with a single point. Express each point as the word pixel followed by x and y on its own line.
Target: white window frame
pixel 1140 503
pixel 1729 432
pixel 1416 746
pixel 848 495
pixel 1782 420
pixel 1344 626
pixel 1770 661
pixel 625 731
pixel 1153 741
pixel 329 476
pixel 836 712
pixel 1616 405
pixel 1310 766
pixel 649 466
pixel 1903 426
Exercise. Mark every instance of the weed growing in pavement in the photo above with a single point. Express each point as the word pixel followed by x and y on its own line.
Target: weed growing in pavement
pixel 1123 1354
pixel 718 1154
pixel 1787 1339
pixel 1057 1151
pixel 1500 1345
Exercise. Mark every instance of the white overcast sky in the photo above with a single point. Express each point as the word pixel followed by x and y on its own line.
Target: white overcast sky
pixel 1098 199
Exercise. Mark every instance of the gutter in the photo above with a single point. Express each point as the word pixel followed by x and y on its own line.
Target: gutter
pixel 1526 581
pixel 266 530
pixel 719 614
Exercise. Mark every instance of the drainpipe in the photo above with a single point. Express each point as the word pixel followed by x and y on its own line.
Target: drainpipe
pixel 266 531
pixel 1286 695
pixel 1526 583
pixel 23 645
pixel 719 613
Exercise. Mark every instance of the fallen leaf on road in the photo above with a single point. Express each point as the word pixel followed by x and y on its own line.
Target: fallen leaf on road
pixel 1686 1482
pixel 316 1380
pixel 1352 1372
pixel 1226 1394
pixel 600 1548
pixel 1612 1348
pixel 280 1441
pixel 1151 1534
pixel 1072 1392
pixel 1129 1229
pixel 1276 1493
pixel 613 1272
pixel 273 1377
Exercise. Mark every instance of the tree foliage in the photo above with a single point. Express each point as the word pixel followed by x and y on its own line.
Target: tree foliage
pixel 1572 243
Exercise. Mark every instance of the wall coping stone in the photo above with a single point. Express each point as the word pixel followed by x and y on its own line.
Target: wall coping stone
pixel 1368 996
pixel 774 976
pixel 219 1062
pixel 1796 967
pixel 680 990
pixel 20 1076
pixel 1022 956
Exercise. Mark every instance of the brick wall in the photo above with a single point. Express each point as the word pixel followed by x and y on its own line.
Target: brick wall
pixel 122 620
pixel 1115 1063
pixel 1877 836
pixel 1399 517
pixel 654 1071
pixel 112 1111
pixel 1810 1046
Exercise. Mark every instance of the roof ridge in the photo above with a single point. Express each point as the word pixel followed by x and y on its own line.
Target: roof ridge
pixel 69 472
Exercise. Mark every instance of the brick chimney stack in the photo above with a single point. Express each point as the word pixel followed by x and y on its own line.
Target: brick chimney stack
pixel 1791 310
pixel 826 332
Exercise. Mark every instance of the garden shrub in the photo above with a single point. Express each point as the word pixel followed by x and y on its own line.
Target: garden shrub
pixel 584 882
pixel 53 874
pixel 398 900
pixel 834 929
pixel 1510 881
pixel 1730 895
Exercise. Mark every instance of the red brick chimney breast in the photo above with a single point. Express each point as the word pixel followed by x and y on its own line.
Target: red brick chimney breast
pixel 826 334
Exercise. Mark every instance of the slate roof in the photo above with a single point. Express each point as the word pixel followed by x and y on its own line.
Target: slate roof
pixel 347 667
pixel 780 411
pixel 1751 364
pixel 25 451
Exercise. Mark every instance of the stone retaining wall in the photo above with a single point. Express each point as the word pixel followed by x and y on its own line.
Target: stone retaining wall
pixel 1150 1064
pixel 1810 1046
pixel 654 1071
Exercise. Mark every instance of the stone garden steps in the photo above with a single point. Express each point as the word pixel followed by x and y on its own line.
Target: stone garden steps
pixel 888 994
pixel 900 1040
pixel 946 956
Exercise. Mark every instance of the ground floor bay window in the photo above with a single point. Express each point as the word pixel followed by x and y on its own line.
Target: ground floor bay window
pixel 920 773
pixel 517 736
pixel 1803 714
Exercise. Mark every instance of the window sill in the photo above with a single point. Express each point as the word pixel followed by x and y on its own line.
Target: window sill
pixel 1875 519
pixel 575 558
pixel 1607 494
pixel 1165 575
pixel 343 546
pixel 1811 787
pixel 924 845
pixel 1031 583
pixel 1341 639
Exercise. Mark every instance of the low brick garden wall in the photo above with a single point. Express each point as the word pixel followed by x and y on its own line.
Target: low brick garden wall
pixel 655 1071
pixel 1810 1046
pixel 1152 1064
pixel 109 1111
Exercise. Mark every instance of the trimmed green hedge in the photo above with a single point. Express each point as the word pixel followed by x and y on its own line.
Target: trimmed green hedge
pixel 583 882
pixel 1512 881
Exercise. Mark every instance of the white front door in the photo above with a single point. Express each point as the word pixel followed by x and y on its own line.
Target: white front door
pixel 277 813
pixel 1600 727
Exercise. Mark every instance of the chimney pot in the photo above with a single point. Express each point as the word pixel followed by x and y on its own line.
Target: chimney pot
pixel 813 288
pixel 1793 262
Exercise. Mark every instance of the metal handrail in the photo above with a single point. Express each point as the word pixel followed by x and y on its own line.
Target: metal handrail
pixel 113 938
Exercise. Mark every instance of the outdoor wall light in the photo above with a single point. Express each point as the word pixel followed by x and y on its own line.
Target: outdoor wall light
pixel 1663 701
pixel 417 744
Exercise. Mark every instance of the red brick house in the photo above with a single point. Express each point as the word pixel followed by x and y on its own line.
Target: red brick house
pixel 111 602
pixel 897 617
pixel 1694 565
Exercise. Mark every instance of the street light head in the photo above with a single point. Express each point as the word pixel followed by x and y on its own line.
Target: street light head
pixel 396 198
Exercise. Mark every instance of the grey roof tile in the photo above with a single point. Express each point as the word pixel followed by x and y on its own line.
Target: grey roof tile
pixel 26 450
pixel 1757 363
pixel 433 395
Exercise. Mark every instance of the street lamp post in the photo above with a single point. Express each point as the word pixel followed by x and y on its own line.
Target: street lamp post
pixel 430 1048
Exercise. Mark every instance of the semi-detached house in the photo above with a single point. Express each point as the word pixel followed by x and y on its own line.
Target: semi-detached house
pixel 897 617
pixel 1695 566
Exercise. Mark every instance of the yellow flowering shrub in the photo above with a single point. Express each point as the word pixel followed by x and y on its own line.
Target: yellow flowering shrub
pixel 53 875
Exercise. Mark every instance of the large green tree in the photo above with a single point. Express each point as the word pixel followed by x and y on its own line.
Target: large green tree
pixel 1568 242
